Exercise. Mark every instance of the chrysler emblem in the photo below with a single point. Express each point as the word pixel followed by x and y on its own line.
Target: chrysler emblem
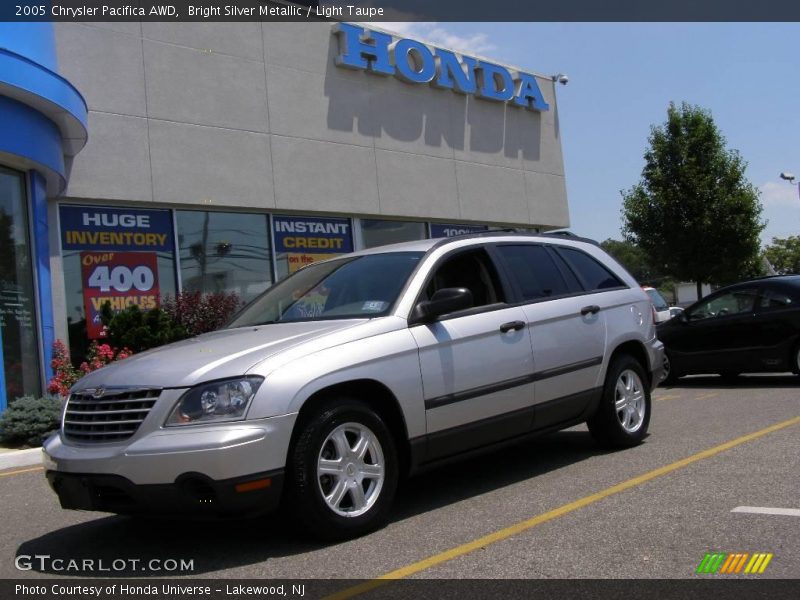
pixel 98 393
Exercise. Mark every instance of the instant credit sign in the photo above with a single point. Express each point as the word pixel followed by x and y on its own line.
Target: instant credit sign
pixel 115 229
pixel 312 235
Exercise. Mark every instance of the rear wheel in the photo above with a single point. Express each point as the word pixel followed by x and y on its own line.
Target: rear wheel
pixel 343 471
pixel 669 376
pixel 796 360
pixel 623 416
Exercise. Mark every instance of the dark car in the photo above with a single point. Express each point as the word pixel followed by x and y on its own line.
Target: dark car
pixel 753 326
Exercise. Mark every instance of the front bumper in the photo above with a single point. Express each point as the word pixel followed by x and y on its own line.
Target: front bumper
pixel 192 494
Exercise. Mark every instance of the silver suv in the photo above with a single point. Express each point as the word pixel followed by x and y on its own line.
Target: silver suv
pixel 354 372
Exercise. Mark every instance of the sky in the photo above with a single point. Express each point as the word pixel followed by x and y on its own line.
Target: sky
pixel 621 80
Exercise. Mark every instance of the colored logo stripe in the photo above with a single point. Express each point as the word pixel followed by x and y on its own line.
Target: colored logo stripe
pixel 724 563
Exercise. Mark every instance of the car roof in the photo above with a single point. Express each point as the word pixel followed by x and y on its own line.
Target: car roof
pixel 485 236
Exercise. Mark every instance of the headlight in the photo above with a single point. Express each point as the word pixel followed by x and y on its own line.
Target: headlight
pixel 215 402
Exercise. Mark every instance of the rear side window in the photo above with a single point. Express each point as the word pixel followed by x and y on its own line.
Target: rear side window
pixel 535 271
pixel 594 275
pixel 774 300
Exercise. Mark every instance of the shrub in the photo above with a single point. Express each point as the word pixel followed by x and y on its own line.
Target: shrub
pixel 64 372
pixel 139 330
pixel 28 421
pixel 200 313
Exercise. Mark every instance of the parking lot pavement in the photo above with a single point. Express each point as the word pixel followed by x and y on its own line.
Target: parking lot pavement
pixel 552 508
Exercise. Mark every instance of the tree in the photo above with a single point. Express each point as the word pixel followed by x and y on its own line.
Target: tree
pixel 693 210
pixel 634 259
pixel 784 254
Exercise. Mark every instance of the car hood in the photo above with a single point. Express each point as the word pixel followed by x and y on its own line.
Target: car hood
pixel 216 355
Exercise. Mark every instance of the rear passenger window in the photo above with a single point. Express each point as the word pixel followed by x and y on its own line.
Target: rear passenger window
pixel 535 271
pixel 774 300
pixel 594 275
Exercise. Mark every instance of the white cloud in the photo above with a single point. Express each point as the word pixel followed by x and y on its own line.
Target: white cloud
pixel 433 33
pixel 779 194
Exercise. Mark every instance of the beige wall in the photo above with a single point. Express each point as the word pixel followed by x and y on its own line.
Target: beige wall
pixel 258 116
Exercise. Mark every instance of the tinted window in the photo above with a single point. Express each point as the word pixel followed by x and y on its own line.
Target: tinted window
pixel 534 271
pixel 472 270
pixel 723 305
pixel 774 300
pixel 657 299
pixel 594 275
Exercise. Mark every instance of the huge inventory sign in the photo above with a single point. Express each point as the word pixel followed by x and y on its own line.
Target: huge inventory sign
pixel 305 240
pixel 121 279
pixel 115 229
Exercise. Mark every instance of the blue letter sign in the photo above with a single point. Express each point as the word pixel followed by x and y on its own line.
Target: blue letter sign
pixel 414 62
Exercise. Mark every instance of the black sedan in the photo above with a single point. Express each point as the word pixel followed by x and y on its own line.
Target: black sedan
pixel 753 326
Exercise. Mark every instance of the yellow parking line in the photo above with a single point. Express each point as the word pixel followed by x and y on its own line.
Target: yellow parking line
pixel 668 397
pixel 21 471
pixel 706 396
pixel 522 526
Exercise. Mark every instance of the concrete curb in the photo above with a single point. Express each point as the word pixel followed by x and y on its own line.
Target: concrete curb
pixel 21 458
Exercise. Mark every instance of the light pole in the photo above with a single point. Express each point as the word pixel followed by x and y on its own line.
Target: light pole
pixel 786 176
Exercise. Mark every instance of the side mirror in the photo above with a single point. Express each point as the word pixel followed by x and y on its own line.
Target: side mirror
pixel 446 300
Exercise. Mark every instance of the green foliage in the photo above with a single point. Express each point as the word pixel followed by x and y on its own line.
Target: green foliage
pixel 784 254
pixel 634 259
pixel 28 421
pixel 693 211
pixel 140 330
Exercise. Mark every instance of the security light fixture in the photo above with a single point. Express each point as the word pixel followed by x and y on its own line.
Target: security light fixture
pixel 788 176
pixel 561 78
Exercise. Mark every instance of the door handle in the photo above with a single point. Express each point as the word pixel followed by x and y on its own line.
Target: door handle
pixel 512 326
pixel 592 309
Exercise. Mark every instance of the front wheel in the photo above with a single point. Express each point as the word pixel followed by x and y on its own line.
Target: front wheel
pixel 623 416
pixel 343 471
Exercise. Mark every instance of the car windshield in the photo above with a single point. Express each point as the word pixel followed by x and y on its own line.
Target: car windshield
pixel 657 299
pixel 353 287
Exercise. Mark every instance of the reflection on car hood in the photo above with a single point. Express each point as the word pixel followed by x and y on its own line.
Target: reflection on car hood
pixel 216 355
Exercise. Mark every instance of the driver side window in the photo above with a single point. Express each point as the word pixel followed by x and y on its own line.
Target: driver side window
pixel 730 303
pixel 472 270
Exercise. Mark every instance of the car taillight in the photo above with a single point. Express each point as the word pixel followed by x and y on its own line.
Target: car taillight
pixel 653 306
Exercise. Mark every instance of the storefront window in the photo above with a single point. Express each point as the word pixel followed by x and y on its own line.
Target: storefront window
pixel 19 352
pixel 379 233
pixel 122 256
pixel 224 252
pixel 300 241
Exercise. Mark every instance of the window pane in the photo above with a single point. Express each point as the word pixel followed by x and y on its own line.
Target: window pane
pixel 360 287
pixel 774 300
pixel 472 270
pixel 380 233
pixel 20 355
pixel 595 276
pixel 224 252
pixel 105 238
pixel 534 270
pixel 730 303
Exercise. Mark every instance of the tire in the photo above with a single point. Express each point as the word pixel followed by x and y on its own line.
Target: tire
pixel 670 377
pixel 622 422
pixel 795 360
pixel 326 471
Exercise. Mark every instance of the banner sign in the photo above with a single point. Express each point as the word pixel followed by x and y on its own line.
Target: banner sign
pixel 120 278
pixel 312 235
pixel 115 229
pixel 440 230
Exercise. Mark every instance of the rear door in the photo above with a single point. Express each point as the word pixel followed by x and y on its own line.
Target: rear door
pixel 776 327
pixel 567 327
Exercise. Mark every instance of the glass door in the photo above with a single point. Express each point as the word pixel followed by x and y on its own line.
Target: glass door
pixel 20 374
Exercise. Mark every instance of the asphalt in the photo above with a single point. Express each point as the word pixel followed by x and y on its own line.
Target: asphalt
pixel 658 528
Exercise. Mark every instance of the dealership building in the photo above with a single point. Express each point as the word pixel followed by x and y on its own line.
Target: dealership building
pixel 140 159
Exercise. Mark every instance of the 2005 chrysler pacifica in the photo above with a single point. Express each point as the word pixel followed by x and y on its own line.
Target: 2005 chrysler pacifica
pixel 354 372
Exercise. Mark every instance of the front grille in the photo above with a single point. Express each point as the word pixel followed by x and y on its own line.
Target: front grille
pixel 112 415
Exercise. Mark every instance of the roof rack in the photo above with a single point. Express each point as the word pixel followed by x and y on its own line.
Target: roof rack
pixel 569 236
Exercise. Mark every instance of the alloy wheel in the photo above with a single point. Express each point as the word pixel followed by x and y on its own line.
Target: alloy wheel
pixel 629 401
